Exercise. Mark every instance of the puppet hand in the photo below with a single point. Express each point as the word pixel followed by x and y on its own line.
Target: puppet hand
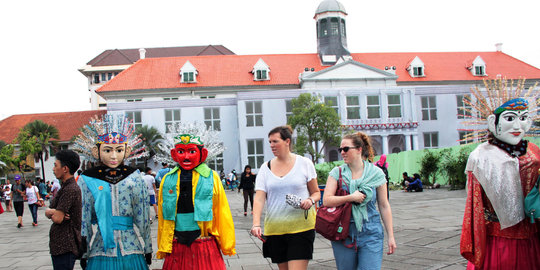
pixel 148 257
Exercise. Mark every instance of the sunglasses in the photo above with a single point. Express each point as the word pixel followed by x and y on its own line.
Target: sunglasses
pixel 346 148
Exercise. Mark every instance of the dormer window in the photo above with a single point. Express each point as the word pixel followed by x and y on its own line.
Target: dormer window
pixel 416 68
pixel 261 71
pixel 478 67
pixel 188 73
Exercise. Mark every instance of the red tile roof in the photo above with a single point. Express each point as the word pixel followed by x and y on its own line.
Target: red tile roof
pixel 67 123
pixel 130 56
pixel 235 70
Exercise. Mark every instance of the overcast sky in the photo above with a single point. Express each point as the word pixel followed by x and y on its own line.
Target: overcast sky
pixel 44 43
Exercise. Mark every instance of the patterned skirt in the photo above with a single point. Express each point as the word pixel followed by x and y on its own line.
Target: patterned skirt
pixel 203 254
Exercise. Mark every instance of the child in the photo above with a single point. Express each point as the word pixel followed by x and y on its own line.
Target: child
pixel 7 197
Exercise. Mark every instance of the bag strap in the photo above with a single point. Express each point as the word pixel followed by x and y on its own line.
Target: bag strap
pixel 341 182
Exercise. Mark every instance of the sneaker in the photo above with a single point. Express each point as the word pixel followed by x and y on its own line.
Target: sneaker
pixel 156 216
pixel 34 224
pixel 19 225
pixel 245 214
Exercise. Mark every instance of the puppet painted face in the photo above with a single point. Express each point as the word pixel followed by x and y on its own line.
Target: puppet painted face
pixel 511 127
pixel 111 155
pixel 189 156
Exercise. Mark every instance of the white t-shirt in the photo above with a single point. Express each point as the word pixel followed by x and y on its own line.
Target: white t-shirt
pixel 7 194
pixel 31 194
pixel 150 180
pixel 281 218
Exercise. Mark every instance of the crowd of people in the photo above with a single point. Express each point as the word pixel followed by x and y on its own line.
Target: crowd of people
pixel 195 224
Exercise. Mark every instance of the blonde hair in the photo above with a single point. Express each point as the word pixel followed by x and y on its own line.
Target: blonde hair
pixel 362 140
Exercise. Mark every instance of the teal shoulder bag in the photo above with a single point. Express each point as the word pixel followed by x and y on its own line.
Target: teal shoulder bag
pixel 532 202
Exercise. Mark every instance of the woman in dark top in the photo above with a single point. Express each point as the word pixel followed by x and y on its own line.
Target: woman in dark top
pixel 247 183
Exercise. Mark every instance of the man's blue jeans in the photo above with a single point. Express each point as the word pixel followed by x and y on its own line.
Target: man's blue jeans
pixel 64 261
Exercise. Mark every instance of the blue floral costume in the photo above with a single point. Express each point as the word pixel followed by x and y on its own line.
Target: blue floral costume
pixel 116 207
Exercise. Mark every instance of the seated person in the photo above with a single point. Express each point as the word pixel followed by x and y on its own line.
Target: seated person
pixel 406 180
pixel 416 184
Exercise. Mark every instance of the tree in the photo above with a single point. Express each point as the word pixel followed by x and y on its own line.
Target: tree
pixel 43 134
pixel 429 166
pixel 315 123
pixel 151 138
pixel 453 166
pixel 14 155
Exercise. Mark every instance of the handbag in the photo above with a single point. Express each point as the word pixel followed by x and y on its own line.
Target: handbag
pixel 333 222
pixel 39 202
pixel 532 203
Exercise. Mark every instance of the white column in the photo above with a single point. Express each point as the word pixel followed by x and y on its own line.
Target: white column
pixel 415 142
pixel 407 142
pixel 384 144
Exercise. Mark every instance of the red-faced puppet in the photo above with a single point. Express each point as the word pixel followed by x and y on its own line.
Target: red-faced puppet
pixel 189 151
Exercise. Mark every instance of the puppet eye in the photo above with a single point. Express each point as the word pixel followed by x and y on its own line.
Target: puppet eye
pixel 192 151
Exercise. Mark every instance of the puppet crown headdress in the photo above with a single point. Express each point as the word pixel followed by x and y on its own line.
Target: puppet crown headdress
pixel 109 129
pixel 497 96
pixel 189 133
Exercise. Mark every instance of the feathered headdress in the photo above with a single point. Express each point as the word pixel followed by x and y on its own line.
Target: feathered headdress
pixel 498 95
pixel 189 132
pixel 111 129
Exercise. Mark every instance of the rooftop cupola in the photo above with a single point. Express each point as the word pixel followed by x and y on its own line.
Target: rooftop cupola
pixel 331 32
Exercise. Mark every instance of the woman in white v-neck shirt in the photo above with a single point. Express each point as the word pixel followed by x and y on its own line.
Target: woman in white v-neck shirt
pixel 288 231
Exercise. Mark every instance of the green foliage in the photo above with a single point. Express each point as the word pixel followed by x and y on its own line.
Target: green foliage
pixel 43 134
pixel 323 169
pixel 429 166
pixel 14 155
pixel 151 137
pixel 314 122
pixel 453 166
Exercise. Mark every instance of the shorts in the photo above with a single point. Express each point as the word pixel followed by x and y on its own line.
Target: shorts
pixel 19 208
pixel 152 199
pixel 288 247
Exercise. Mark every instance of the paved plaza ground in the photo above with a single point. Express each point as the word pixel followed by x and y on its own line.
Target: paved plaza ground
pixel 427 228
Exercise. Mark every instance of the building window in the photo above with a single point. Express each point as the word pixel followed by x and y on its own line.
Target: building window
pixel 207 97
pixel 103 77
pixel 288 109
pixel 216 163
pixel 479 70
pixel 332 102
pixel 429 108
pixel 261 74
pixel 394 106
pixel 54 149
pixel 463 109
pixel 255 153
pixel 431 139
pixel 102 105
pixel 188 77
pixel 462 135
pixel 323 32
pixel 96 78
pixel 135 116
pixel 134 100
pixel 171 117
pixel 170 98
pixel 418 71
pixel 254 114
pixel 211 118
pixel 343 33
pixel 109 76
pixel 373 107
pixel 353 107
pixel 334 27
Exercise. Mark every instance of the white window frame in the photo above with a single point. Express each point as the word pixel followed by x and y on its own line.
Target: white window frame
pixel 334 105
pixel 170 98
pixel 133 115
pixel 417 68
pixel 216 163
pixel 256 156
pixel 478 67
pixel 288 109
pixel 175 117
pixel 429 138
pixel 254 117
pixel 188 72
pixel 462 134
pixel 353 108
pixel 261 71
pixel 462 112
pixel 214 121
pixel 394 105
pixel 429 107
pixel 372 106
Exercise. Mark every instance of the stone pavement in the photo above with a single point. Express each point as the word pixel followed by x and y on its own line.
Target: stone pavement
pixel 427 228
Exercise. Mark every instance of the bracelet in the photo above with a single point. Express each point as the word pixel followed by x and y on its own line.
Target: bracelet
pixel 254 226
pixel 312 200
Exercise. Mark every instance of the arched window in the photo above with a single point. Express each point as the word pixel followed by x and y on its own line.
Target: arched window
pixel 323 32
pixel 396 150
pixel 334 26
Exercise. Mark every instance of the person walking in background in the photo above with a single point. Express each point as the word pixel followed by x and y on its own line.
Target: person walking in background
pixel 42 189
pixel 17 192
pixel 162 172
pixel 289 231
pixel 65 212
pixel 416 184
pixel 247 184
pixel 151 185
pixel 7 198
pixel 32 196
pixel 366 185
pixel 383 165
pixel 232 180
pixel 55 187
